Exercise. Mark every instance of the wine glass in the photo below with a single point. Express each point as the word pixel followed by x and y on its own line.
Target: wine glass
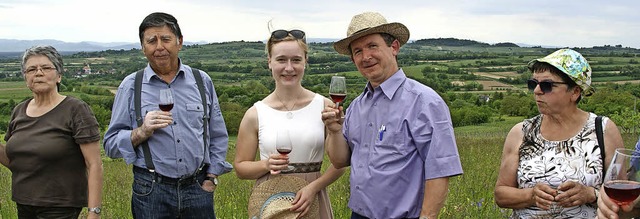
pixel 283 144
pixel 622 182
pixel 555 208
pixel 338 89
pixel 166 100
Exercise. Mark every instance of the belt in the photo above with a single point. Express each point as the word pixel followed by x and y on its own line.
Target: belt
pixel 304 167
pixel 169 180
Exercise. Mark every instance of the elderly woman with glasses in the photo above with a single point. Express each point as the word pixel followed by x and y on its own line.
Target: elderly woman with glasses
pixel 52 146
pixel 553 164
pixel 291 109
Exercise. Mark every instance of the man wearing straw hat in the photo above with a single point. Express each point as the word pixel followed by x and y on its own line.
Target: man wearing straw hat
pixel 397 135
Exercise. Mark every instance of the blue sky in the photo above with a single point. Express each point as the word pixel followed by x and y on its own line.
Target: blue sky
pixel 568 23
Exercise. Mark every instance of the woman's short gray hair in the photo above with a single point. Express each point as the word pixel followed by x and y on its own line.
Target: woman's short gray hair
pixel 44 50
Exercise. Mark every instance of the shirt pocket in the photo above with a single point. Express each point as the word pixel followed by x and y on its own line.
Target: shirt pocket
pixel 390 153
pixel 195 112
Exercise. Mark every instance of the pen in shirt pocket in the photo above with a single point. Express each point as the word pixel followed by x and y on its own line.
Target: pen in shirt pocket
pixel 381 132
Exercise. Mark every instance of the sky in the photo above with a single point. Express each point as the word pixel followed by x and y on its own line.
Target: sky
pixel 561 23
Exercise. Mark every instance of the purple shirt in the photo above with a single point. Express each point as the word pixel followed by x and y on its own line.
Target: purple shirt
pixel 400 135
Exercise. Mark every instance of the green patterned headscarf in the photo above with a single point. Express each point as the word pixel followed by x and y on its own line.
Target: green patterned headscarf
pixel 573 64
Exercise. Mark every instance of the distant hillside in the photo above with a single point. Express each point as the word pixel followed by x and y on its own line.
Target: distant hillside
pixel 459 42
pixel 12 49
pixel 506 45
pixel 11 45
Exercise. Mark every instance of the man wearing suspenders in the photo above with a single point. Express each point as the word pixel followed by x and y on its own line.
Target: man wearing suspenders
pixel 177 155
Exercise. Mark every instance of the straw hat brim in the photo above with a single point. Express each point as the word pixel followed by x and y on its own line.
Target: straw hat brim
pixel 275 185
pixel 398 30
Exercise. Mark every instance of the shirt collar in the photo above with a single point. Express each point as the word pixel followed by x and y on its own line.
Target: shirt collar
pixel 149 73
pixel 389 86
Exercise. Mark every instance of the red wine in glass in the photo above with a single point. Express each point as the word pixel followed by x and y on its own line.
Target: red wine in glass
pixel 620 183
pixel 166 100
pixel 337 98
pixel 338 89
pixel 166 107
pixel 622 191
pixel 283 145
pixel 283 151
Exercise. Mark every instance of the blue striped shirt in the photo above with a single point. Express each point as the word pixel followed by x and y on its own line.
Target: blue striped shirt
pixel 177 150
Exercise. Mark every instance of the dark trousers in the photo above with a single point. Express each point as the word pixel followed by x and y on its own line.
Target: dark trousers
pixel 38 212
pixel 156 196
pixel 357 216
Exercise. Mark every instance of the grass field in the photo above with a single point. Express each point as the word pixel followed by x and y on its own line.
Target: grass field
pixel 612 79
pixel 16 90
pixel 470 196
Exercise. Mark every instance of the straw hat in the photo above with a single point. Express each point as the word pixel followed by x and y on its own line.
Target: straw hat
pixel 369 23
pixel 272 199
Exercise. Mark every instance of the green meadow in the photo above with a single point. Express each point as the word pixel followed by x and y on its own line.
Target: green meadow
pixel 13 90
pixel 242 77
pixel 470 195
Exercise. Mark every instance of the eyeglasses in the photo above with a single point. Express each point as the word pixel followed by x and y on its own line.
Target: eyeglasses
pixel 545 86
pixel 45 69
pixel 281 34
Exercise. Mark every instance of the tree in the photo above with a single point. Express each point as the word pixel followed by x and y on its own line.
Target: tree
pixel 232 113
pixel 454 70
pixel 428 69
pixel 607 101
pixel 255 87
pixel 102 115
pixel 516 106
pixel 627 120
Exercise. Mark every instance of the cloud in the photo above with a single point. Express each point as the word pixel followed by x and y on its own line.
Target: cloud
pixel 546 22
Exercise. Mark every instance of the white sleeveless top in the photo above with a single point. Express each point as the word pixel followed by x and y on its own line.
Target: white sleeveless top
pixel 306 131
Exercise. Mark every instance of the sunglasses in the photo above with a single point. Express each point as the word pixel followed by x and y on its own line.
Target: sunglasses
pixel 545 86
pixel 281 34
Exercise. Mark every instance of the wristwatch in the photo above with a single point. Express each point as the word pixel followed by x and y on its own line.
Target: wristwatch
pixel 96 210
pixel 214 180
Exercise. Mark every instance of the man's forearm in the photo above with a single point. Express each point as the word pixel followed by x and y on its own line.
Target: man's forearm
pixel 137 137
pixel 338 150
pixel 435 195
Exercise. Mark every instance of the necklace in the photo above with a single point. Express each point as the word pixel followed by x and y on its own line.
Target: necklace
pixel 289 113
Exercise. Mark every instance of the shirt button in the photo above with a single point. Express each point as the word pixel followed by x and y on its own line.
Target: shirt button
pixel 178 140
pixel 370 124
pixel 174 122
pixel 179 160
pixel 357 187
